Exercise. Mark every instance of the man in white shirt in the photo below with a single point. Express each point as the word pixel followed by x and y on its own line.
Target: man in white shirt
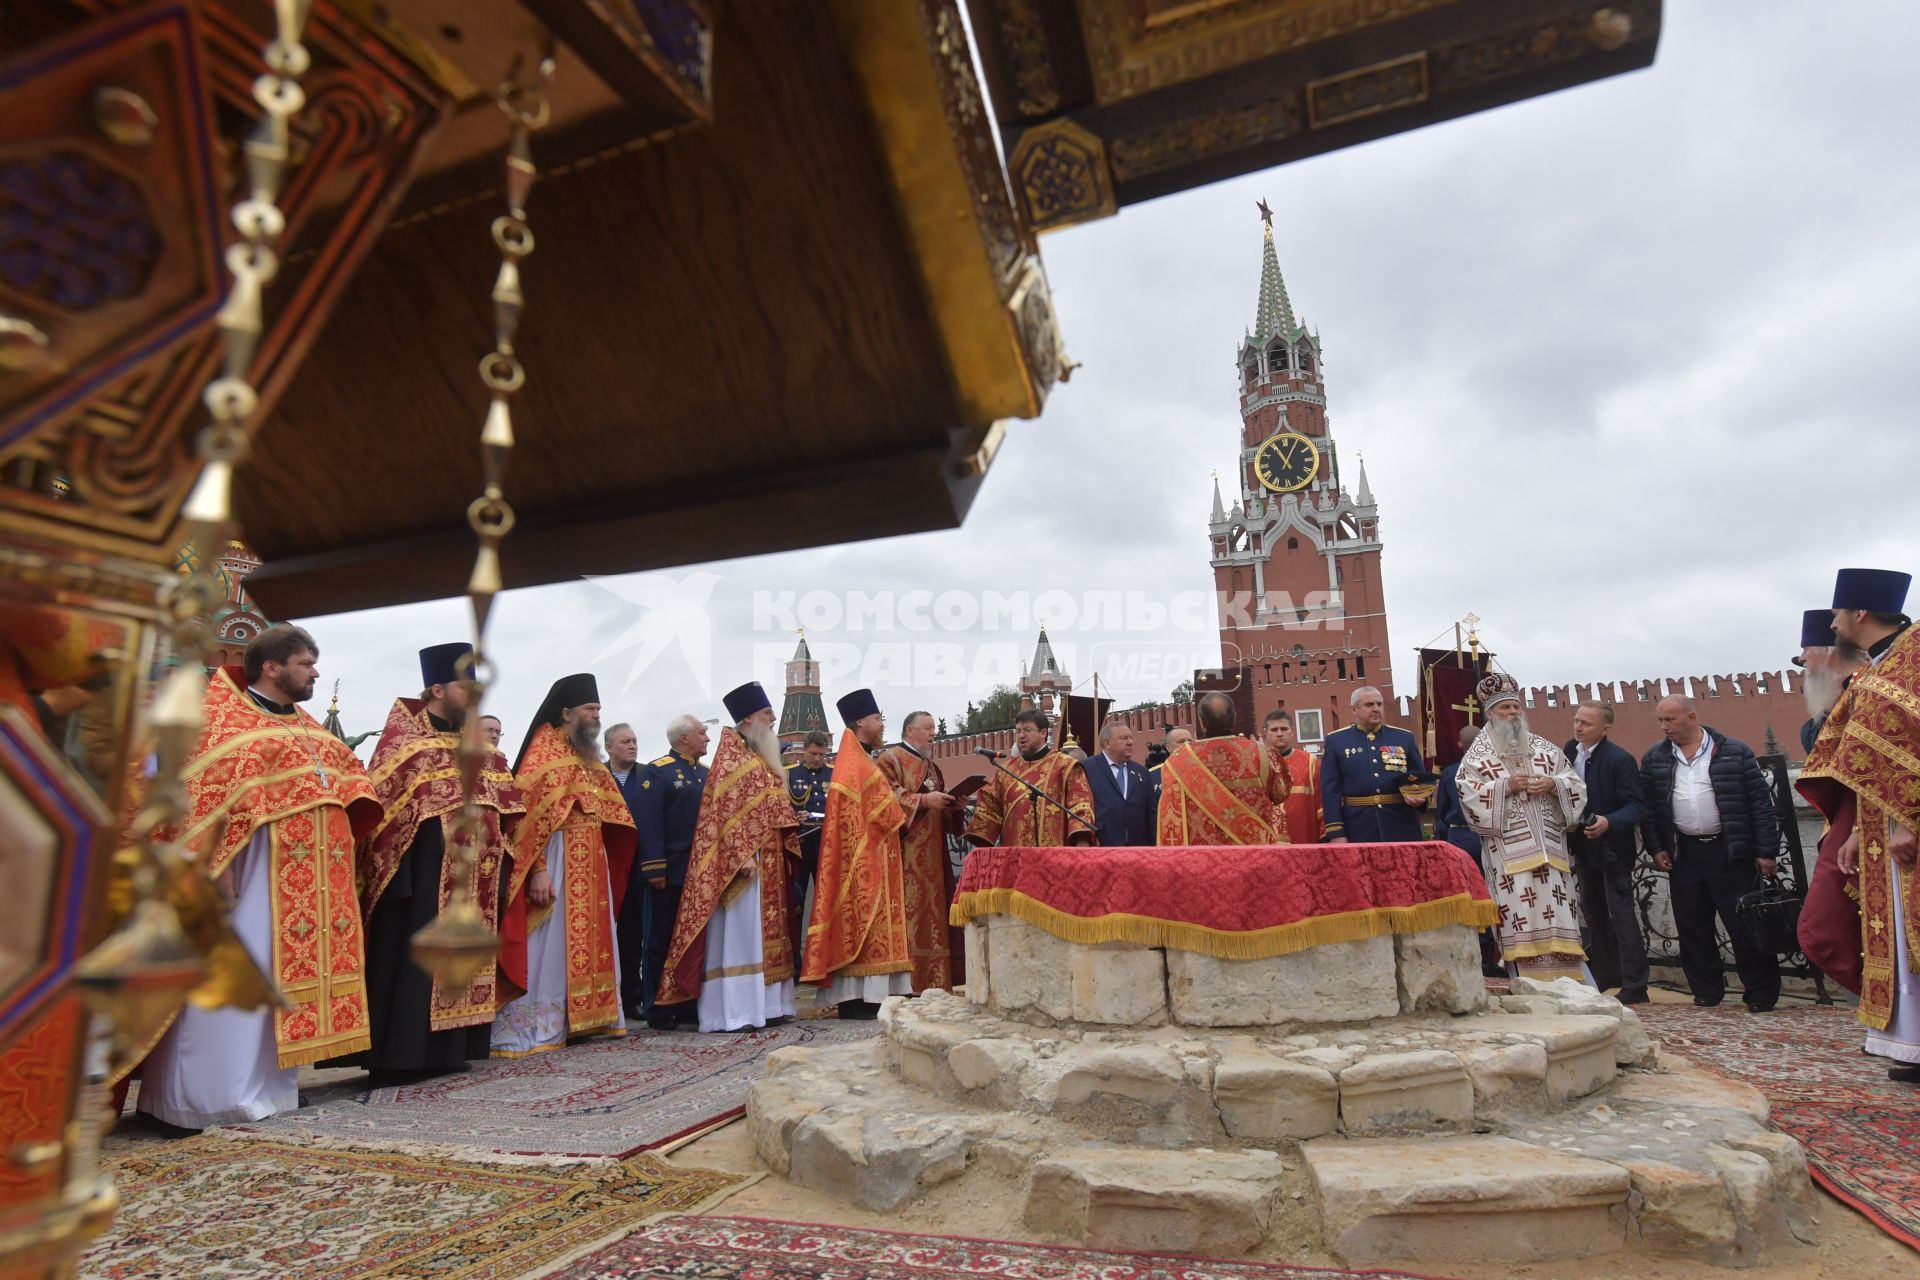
pixel 1714 830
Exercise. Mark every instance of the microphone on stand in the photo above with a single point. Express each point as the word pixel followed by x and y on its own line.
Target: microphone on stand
pixel 1037 795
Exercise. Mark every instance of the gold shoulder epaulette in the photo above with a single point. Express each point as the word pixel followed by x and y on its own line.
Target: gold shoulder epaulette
pixel 664 760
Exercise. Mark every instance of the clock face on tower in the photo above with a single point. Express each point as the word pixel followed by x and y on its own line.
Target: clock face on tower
pixel 1286 462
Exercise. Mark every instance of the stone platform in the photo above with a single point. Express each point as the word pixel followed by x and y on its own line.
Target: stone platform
pixel 1024 972
pixel 1368 1096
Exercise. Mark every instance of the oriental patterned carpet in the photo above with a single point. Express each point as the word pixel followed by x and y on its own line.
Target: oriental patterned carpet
pixel 1861 1130
pixel 217 1206
pixel 601 1097
pixel 725 1248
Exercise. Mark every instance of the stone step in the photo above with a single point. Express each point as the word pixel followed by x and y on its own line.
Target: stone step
pixel 1469 1198
pixel 1173 1086
pixel 1674 1164
pixel 1212 1203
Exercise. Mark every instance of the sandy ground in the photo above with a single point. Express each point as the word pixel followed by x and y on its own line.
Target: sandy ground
pixel 979 1205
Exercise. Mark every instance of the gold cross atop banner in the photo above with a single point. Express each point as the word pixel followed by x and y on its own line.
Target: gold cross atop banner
pixel 1471 706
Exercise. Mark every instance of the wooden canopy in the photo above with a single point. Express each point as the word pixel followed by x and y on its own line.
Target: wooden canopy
pixel 794 320
pixel 1103 103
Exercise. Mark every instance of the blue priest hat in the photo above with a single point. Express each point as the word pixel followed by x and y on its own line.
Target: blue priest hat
pixel 440 663
pixel 1874 590
pixel 1816 629
pixel 857 706
pixel 746 700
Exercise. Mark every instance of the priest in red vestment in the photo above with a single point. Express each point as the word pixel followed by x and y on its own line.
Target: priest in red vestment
pixel 1829 928
pixel 408 874
pixel 1866 754
pixel 1006 812
pixel 857 936
pixel 292 798
pixel 1219 788
pixel 1302 818
pixel 559 960
pixel 925 869
pixel 731 949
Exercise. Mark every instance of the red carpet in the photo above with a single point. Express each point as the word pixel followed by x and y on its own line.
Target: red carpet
pixel 721 1248
pixel 1861 1130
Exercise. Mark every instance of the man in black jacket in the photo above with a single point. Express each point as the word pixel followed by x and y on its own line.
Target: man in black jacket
pixel 1713 829
pixel 630 916
pixel 1603 851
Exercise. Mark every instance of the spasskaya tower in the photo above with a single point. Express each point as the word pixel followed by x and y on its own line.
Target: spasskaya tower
pixel 1296 557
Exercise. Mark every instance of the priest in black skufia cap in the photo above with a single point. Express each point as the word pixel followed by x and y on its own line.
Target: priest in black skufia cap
pixel 731 950
pixel 857 947
pixel 420 1025
pixel 559 960
pixel 572 706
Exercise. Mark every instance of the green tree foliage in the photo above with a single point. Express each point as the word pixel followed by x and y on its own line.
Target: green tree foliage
pixel 995 711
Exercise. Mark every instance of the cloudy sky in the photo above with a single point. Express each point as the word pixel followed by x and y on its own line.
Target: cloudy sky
pixel 1631 367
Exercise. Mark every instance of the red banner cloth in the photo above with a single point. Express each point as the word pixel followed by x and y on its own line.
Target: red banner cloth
pixel 1238 902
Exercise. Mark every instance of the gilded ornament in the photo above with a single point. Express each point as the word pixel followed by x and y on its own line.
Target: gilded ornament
pixel 1060 170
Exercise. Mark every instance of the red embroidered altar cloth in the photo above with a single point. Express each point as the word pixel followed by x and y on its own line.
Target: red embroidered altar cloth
pixel 1238 902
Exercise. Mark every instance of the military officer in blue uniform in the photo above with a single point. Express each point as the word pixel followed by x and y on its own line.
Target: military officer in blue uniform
pixel 669 809
pixel 1361 769
pixel 807 780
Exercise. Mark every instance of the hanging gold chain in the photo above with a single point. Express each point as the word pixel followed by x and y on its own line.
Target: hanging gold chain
pixel 139 975
pixel 189 602
pixel 458 943
pixel 232 401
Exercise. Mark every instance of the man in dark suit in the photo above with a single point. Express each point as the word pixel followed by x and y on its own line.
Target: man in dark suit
pixel 1449 819
pixel 1603 852
pixel 630 916
pixel 1124 801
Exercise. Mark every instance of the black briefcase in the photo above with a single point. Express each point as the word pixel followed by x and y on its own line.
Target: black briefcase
pixel 1768 917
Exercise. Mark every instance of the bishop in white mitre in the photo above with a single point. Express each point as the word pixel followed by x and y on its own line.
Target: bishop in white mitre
pixel 1521 795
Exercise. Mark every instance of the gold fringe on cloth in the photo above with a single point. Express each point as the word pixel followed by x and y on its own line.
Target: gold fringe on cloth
pixel 1252 944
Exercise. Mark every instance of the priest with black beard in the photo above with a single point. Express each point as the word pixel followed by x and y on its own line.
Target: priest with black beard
pixel 420 1026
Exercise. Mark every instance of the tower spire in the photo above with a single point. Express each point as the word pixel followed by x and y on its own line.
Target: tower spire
pixel 1365 496
pixel 1219 512
pixel 1043 659
pixel 1275 311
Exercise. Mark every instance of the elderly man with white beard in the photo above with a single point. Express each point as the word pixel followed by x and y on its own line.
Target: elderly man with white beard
pixel 1828 664
pixel 1521 795
pixel 731 948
